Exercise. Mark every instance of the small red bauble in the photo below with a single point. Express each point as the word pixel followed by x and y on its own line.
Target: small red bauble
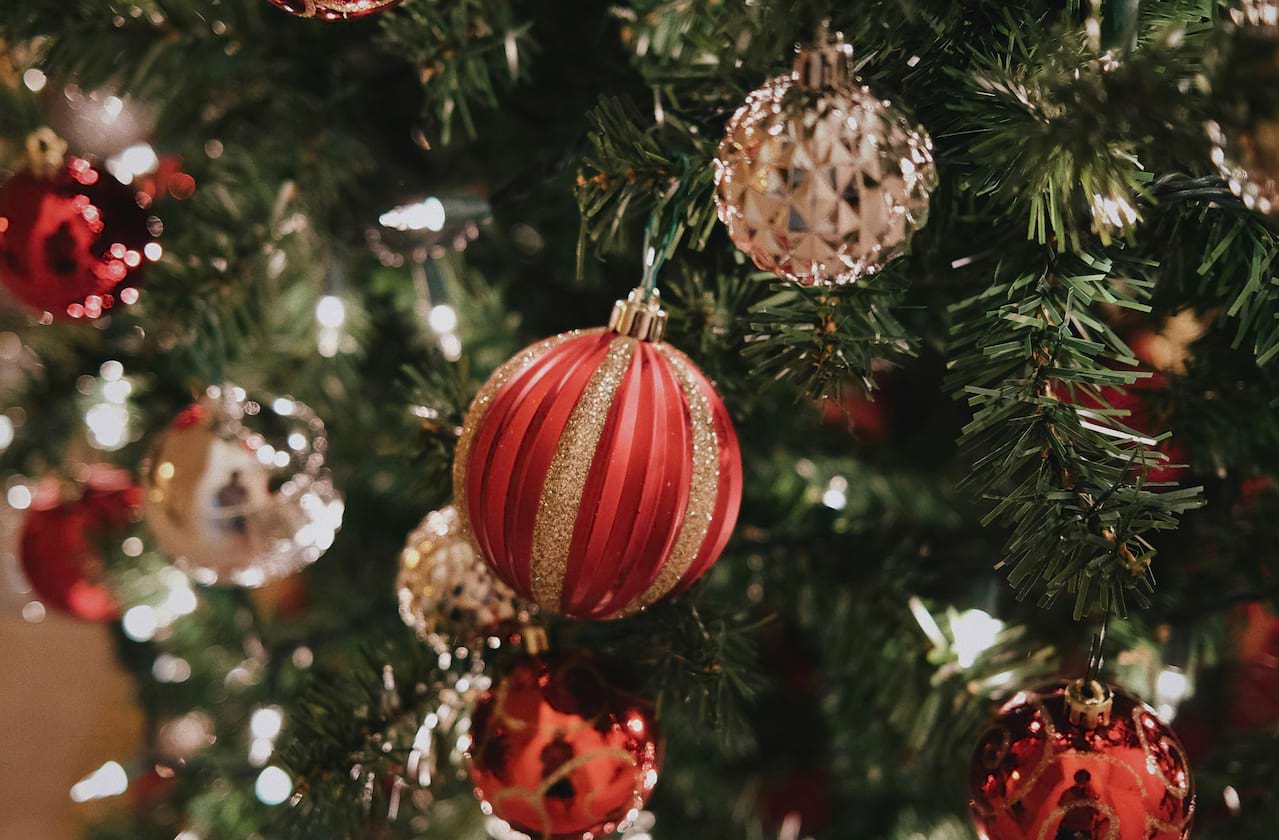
pixel 599 470
pixel 1036 775
pixel 60 539
pixel 73 244
pixel 558 752
pixel 334 9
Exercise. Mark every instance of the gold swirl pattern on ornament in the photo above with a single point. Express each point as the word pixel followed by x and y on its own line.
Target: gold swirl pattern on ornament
pixel 1152 764
pixel 482 402
pixel 561 500
pixel 1112 819
pixel 536 798
pixel 1046 754
pixel 703 488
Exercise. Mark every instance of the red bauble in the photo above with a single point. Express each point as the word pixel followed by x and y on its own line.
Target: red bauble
pixel 558 752
pixel 334 9
pixel 1035 775
pixel 60 539
pixel 599 471
pixel 74 243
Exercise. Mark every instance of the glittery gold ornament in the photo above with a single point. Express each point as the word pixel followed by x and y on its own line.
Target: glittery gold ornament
pixel 1245 137
pixel 447 593
pixel 236 491
pixel 820 181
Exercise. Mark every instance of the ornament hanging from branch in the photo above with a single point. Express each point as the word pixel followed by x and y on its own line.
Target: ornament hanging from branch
pixel 598 469
pixel 61 538
pixel 1245 135
pixel 334 9
pixel 1081 760
pixel 560 753
pixel 74 241
pixel 236 490
pixel 818 180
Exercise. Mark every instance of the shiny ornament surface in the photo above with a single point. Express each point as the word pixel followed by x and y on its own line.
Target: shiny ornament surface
pixel 818 180
pixel 558 752
pixel 236 491
pixel 1037 776
pixel 74 241
pixel 334 9
pixel 447 594
pixel 599 473
pixel 61 535
pixel 1245 136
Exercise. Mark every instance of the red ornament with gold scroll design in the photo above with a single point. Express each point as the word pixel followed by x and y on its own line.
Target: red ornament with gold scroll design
pixel 560 753
pixel 1035 775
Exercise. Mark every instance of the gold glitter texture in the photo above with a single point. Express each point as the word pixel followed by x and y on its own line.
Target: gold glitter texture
pixel 557 509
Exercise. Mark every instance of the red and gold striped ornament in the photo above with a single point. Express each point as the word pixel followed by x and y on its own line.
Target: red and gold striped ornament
pixel 598 469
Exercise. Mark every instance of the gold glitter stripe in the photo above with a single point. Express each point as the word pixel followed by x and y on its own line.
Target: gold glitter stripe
pixel 484 400
pixel 558 507
pixel 703 484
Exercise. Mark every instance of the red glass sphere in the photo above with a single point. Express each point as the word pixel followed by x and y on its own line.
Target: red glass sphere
pixel 334 9
pixel 73 244
pixel 60 539
pixel 1037 776
pixel 561 754
pixel 599 473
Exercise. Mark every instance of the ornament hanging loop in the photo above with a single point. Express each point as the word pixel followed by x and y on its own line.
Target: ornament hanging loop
pixel 826 64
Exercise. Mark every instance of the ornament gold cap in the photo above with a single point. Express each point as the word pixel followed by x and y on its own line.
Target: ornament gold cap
pixel 535 639
pixel 1088 703
pixel 826 64
pixel 639 316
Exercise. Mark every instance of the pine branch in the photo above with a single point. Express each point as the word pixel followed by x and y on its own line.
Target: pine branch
pixel 1068 480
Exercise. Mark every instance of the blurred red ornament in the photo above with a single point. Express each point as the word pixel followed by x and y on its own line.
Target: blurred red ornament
pixel 334 9
pixel 599 470
pixel 74 242
pixel 61 535
pixel 167 181
pixel 1042 770
pixel 558 752
pixel 1255 700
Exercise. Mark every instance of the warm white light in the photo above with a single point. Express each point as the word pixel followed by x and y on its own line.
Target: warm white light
pixel 108 780
pixel 260 750
pixel 1171 685
pixel 33 612
pixel 181 600
pixel 19 497
pixel 283 406
pixel 273 786
pixel 140 623
pixel 1231 797
pixel 451 346
pixel 266 722
pixel 835 497
pixel 974 632
pixel 111 370
pixel 35 80
pixel 330 312
pixel 170 669
pixel 297 441
pixel 108 425
pixel 6 432
pixel 442 318
pixel 118 391
pixel 423 215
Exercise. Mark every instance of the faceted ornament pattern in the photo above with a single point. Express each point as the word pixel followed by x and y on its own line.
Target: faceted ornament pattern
pixel 560 753
pixel 1036 776
pixel 447 594
pixel 334 9
pixel 822 186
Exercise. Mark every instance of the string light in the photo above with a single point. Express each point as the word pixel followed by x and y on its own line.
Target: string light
pixel 273 786
pixel 1171 687
pixel 108 780
pixel 975 632
pixel 6 432
pixel 19 497
pixel 421 215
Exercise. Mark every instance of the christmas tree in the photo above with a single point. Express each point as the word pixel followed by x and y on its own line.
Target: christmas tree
pixel 496 419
